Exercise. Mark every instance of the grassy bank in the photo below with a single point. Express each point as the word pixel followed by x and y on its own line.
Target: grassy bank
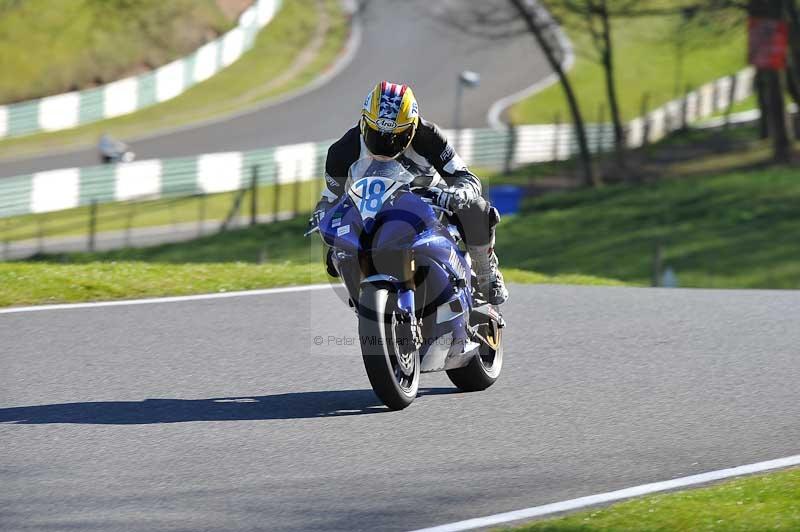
pixel 647 62
pixel 31 283
pixel 261 257
pixel 764 502
pixel 734 230
pixel 53 47
pixel 42 283
pixel 288 53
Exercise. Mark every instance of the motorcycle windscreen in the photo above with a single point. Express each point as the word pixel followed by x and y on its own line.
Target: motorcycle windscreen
pixel 371 183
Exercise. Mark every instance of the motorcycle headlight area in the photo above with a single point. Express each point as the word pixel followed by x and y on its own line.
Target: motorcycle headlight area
pixel 397 263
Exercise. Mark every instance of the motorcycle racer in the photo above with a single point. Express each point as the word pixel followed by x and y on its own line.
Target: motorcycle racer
pixel 391 128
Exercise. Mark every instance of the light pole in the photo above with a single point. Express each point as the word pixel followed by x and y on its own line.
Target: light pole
pixel 467 78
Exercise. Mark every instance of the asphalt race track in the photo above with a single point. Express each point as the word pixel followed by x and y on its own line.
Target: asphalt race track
pixel 224 414
pixel 400 42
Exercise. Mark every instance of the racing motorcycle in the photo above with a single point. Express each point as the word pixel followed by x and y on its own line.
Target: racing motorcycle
pixel 410 283
pixel 114 151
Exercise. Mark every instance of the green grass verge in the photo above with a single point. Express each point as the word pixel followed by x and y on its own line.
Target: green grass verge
pixel 646 63
pixel 222 262
pixel 32 283
pixel 53 47
pixel 246 82
pixel 734 230
pixel 764 502
pixel 516 275
pixel 280 242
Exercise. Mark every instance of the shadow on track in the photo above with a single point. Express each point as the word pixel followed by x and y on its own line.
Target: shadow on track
pixel 299 405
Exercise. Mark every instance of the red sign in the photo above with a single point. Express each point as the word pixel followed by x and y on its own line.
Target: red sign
pixel 769 40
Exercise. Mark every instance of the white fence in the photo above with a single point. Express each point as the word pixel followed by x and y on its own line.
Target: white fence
pixel 220 172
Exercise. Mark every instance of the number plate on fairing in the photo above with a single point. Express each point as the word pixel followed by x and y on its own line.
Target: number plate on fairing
pixel 370 193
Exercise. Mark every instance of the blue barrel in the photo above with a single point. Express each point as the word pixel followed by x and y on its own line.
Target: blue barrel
pixel 506 198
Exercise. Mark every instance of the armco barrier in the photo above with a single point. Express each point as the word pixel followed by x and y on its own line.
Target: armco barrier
pixel 127 95
pixel 221 172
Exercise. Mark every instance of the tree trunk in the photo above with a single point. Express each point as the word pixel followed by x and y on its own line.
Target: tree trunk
pixel 771 98
pixel 793 16
pixel 611 92
pixel 763 104
pixel 793 73
pixel 537 31
pixel 793 83
pixel 776 109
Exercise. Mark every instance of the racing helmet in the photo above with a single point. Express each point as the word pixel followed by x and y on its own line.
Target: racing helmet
pixel 389 119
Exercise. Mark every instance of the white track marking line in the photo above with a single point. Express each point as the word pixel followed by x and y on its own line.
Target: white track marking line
pixel 174 299
pixel 611 496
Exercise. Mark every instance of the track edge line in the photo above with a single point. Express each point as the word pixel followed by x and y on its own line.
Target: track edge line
pixel 614 496
pixel 168 299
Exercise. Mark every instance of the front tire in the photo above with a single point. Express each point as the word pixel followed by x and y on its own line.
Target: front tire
pixel 394 377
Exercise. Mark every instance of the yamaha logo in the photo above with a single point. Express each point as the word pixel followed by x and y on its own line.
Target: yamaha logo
pixel 456 264
pixel 386 124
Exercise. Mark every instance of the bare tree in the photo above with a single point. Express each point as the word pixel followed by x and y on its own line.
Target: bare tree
pixel 593 18
pixel 537 27
pixel 502 19
pixel 771 81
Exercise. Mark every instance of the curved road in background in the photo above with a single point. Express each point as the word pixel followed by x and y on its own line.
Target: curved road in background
pixel 225 415
pixel 401 42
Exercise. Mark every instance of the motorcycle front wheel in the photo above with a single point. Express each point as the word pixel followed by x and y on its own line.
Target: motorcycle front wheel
pixel 394 376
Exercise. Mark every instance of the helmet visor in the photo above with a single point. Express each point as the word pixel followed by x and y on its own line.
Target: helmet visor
pixel 387 144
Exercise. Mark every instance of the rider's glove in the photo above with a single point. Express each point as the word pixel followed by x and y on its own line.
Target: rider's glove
pixel 454 198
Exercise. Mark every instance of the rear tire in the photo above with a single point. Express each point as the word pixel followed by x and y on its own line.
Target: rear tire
pixel 394 378
pixel 484 368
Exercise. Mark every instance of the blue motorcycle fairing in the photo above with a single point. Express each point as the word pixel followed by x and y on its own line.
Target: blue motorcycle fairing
pixel 407 224
pixel 404 222
pixel 399 222
pixel 342 226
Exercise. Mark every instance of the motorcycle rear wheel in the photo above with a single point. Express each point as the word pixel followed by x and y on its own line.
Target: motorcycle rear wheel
pixel 394 376
pixel 484 368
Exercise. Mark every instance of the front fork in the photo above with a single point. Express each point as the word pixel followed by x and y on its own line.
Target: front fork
pixel 409 333
pixel 397 268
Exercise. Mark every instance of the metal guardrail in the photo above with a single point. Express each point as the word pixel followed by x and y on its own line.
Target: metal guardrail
pixel 229 171
pixel 124 96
